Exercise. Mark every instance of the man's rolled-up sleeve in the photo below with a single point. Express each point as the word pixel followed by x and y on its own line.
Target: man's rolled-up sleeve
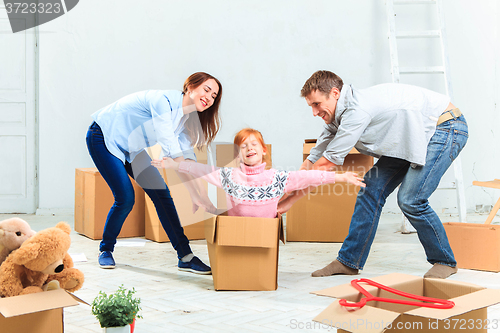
pixel 351 128
pixel 324 139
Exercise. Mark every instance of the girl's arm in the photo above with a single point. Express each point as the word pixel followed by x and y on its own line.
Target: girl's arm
pixel 298 180
pixel 306 178
pixel 195 188
pixel 198 170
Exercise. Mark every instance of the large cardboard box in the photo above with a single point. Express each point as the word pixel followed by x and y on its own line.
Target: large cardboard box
pixel 324 214
pixel 475 246
pixel 227 156
pixel 35 313
pixel 243 252
pixel 193 224
pixel 469 313
pixel 93 200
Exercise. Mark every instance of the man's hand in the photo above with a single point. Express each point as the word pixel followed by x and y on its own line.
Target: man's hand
pixel 165 163
pixel 307 165
pixel 350 177
pixel 324 165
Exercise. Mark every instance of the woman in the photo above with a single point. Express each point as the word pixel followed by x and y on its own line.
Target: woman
pixel 116 141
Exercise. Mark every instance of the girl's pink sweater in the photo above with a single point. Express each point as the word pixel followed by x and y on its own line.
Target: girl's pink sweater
pixel 254 191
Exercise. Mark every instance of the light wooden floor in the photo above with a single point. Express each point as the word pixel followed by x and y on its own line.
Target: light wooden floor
pixel 174 301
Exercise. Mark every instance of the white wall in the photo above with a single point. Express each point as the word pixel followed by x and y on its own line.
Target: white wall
pixel 262 52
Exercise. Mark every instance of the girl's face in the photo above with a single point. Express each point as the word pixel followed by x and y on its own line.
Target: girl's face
pixel 204 95
pixel 251 151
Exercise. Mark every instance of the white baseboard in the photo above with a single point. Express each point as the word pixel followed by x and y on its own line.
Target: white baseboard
pixel 55 211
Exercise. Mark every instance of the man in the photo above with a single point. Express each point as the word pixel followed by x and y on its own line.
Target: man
pixel 415 133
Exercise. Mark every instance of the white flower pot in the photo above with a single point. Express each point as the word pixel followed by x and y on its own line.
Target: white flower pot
pixel 121 329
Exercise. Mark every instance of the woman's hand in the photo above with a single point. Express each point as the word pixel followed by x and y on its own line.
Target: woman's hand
pixel 204 202
pixel 165 163
pixel 350 177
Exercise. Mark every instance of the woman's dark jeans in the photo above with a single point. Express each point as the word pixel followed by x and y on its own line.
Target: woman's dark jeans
pixel 115 173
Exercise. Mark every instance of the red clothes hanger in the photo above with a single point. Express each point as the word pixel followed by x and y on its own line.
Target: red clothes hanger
pixel 434 303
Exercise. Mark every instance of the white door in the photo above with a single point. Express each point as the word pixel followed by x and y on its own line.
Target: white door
pixel 17 119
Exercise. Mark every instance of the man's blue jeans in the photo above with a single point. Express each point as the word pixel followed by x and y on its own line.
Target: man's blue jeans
pixel 115 173
pixel 417 185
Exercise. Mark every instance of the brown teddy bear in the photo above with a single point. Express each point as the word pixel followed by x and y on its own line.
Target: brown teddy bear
pixel 40 259
pixel 13 232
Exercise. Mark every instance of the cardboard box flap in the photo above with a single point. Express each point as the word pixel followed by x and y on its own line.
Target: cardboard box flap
pixel 154 152
pixel 78 299
pixel 347 291
pixel 306 148
pixel 447 289
pixel 281 229
pixel 24 304
pixel 89 170
pixel 466 303
pixel 365 320
pixel 247 231
pixel 210 227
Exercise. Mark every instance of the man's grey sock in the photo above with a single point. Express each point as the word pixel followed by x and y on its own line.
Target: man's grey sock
pixel 439 271
pixel 334 268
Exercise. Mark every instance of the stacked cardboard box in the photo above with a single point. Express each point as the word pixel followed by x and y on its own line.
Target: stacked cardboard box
pixel 243 252
pixel 469 313
pixel 324 214
pixel 193 224
pixel 40 312
pixel 93 200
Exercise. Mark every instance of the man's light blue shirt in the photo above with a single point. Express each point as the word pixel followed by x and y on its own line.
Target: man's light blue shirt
pixel 143 119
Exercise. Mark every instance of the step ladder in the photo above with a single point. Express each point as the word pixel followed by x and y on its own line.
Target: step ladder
pixel 397 71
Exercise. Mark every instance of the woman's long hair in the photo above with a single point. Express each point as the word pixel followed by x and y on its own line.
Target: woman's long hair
pixel 203 126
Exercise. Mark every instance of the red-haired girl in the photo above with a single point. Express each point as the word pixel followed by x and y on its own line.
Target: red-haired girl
pixel 252 190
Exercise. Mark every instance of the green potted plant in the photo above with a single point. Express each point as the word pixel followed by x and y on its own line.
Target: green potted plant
pixel 117 312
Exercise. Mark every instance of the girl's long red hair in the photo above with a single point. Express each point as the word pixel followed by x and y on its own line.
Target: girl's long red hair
pixel 243 135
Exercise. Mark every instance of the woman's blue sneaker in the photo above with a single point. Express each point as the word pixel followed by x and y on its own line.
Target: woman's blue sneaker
pixel 106 259
pixel 194 266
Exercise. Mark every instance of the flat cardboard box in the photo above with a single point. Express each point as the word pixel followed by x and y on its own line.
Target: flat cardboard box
pixel 243 252
pixel 36 313
pixel 475 246
pixel 93 200
pixel 226 156
pixel 324 214
pixel 471 302
pixel 193 224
